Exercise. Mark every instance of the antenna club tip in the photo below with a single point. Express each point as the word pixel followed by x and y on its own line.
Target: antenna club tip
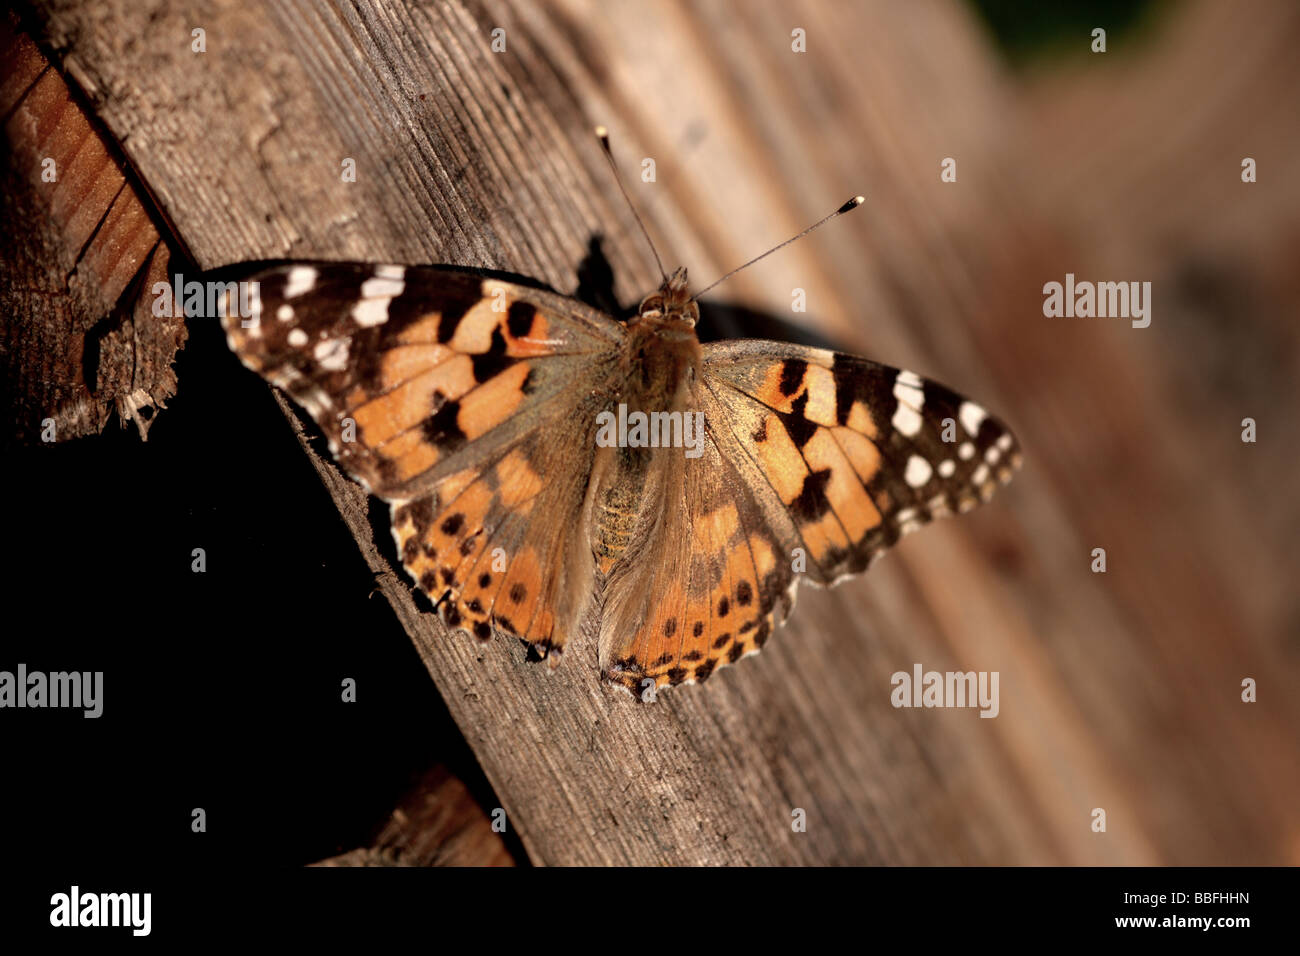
pixel 853 203
pixel 602 132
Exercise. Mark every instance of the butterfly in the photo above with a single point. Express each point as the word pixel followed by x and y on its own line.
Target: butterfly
pixel 544 461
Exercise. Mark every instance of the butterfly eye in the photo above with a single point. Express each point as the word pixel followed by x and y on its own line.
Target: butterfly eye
pixel 652 303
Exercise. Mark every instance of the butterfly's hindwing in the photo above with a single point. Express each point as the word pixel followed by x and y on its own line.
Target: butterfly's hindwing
pixel 716 589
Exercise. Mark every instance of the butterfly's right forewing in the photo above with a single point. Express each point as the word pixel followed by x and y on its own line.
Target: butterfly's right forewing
pixel 856 453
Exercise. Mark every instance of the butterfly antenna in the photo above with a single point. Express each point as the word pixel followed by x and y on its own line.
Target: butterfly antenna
pixel 853 203
pixel 603 135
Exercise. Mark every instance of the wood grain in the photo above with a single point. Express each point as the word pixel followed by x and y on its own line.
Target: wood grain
pixel 1120 690
pixel 78 341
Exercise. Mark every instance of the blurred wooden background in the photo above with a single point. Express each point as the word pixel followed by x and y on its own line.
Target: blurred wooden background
pixel 1119 691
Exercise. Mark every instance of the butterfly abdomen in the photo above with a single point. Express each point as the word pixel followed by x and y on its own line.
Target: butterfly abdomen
pixel 614 503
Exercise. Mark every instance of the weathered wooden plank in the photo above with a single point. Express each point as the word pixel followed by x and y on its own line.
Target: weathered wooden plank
pixel 486 159
pixel 78 342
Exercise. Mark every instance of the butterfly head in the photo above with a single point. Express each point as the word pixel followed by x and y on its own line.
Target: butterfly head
pixel 671 303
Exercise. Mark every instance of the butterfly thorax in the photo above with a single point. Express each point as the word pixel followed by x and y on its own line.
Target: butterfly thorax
pixel 662 353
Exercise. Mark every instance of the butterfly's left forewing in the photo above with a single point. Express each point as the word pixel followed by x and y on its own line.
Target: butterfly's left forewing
pixel 421 362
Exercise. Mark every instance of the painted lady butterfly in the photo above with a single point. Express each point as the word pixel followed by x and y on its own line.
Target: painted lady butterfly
pixel 472 405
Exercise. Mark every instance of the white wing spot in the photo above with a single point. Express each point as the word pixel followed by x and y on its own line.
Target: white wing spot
pixel 1004 442
pixel 301 279
pixel 981 475
pixel 382 287
pixel 297 338
pixel 369 312
pixel 284 313
pixel 332 354
pixel 906 419
pixel 966 452
pixel 376 293
pixel 918 471
pixel 972 416
pixel 908 393
pixel 947 467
